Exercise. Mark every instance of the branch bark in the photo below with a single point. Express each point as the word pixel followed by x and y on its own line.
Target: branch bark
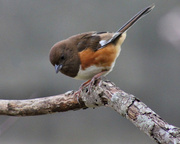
pixel 98 93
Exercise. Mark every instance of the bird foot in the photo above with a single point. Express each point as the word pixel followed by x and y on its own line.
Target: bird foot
pixel 88 84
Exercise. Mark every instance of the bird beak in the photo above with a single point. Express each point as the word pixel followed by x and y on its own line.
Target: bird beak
pixel 58 67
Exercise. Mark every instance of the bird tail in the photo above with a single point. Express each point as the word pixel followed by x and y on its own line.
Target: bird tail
pixel 135 18
pixel 129 24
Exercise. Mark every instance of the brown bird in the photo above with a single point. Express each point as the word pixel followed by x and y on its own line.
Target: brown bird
pixel 86 55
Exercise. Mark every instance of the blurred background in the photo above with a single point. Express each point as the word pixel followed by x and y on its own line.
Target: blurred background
pixel 148 67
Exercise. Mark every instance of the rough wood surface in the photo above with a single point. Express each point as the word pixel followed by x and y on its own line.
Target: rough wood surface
pixel 98 93
pixel 39 106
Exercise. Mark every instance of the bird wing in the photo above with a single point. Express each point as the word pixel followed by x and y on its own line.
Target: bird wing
pixel 94 40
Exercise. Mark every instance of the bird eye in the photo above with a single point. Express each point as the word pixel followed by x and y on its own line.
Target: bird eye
pixel 62 57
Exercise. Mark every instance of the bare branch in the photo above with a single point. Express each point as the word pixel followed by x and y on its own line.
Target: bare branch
pixel 98 93
pixel 39 106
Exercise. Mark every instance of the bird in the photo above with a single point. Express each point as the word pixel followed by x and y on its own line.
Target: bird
pixel 91 54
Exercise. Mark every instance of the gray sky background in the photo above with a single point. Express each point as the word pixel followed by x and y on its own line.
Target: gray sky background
pixel 148 66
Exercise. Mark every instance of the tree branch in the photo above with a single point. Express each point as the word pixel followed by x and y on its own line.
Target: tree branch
pixel 98 93
pixel 39 106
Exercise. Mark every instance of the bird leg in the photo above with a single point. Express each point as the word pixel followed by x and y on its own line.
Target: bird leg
pixel 88 83
pixel 91 82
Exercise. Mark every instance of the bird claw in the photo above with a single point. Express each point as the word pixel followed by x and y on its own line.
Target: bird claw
pixel 88 84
